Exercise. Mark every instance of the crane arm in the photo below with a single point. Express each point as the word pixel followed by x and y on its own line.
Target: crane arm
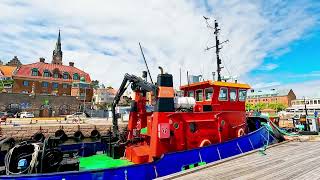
pixel 137 84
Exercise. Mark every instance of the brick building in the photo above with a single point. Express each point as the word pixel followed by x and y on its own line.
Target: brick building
pixel 52 78
pixel 267 96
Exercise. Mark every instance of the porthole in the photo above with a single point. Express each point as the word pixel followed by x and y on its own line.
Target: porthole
pixel 176 125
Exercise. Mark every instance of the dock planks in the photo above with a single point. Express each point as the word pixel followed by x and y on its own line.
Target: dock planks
pixel 293 160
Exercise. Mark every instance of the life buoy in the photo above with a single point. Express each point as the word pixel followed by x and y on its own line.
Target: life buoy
pixel 39 137
pixel 240 132
pixel 205 142
pixel 78 135
pixel 95 134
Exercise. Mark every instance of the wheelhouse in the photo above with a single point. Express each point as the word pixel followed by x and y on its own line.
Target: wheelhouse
pixel 217 95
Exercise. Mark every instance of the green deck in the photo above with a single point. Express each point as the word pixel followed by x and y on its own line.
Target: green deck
pixel 101 161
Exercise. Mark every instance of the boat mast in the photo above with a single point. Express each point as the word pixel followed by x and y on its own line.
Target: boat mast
pixel 217 46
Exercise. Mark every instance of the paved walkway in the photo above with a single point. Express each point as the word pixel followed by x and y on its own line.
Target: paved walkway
pixel 293 160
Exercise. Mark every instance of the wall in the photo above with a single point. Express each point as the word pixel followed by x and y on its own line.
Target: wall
pixel 34 102
pixel 27 131
pixel 18 87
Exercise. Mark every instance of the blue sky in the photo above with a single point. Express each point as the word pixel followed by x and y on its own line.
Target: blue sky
pixel 300 62
pixel 272 43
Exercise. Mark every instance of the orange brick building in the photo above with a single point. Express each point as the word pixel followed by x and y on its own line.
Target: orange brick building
pixel 267 96
pixel 53 78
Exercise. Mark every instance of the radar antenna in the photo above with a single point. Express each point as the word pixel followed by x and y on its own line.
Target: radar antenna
pixel 217 46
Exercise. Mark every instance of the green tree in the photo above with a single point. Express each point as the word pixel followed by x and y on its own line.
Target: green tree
pixel 95 84
pixel 104 106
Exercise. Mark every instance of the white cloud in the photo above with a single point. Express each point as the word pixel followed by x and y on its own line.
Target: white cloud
pixel 268 67
pixel 173 33
pixel 308 89
pixel 263 85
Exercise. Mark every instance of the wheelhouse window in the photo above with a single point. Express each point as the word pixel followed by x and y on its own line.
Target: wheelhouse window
pixel 76 76
pixel 242 94
pixel 199 95
pixel 45 84
pixel 233 95
pixel 208 93
pixel 25 83
pixel 46 73
pixel 34 72
pixel 223 94
pixel 65 75
pixel 190 93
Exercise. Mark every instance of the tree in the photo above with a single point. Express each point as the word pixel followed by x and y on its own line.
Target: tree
pixel 95 84
pixel 104 106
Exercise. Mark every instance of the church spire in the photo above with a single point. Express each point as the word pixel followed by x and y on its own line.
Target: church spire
pixel 57 53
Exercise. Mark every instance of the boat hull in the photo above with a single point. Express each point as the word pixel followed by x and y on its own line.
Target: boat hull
pixel 169 163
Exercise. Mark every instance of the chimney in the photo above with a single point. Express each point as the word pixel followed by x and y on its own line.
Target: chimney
pixel 42 59
pixel 71 64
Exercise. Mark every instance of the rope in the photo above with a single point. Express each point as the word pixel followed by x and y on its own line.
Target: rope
pixel 32 162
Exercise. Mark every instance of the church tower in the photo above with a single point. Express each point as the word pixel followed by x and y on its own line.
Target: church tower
pixel 57 53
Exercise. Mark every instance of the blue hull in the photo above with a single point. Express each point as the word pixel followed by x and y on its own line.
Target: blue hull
pixel 169 163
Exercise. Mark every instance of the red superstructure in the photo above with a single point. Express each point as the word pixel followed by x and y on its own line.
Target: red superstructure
pixel 213 112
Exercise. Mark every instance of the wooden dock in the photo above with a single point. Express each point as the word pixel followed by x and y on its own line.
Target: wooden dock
pixel 291 160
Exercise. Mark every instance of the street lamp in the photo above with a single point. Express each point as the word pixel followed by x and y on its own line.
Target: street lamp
pixel 306 111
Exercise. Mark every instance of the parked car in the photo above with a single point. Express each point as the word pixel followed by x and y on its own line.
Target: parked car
pixel 26 115
pixel 77 115
pixel 3 116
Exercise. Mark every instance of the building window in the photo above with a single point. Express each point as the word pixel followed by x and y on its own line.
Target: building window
pixel 46 73
pixel 25 83
pixel 190 94
pixel 34 72
pixel 208 93
pixel 76 76
pixel 199 95
pixel 55 85
pixel 233 94
pixel 65 75
pixel 45 84
pixel 65 86
pixel 223 94
pixel 242 94
pixel 56 75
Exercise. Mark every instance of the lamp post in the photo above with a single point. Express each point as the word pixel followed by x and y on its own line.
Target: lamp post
pixel 306 111
pixel 84 98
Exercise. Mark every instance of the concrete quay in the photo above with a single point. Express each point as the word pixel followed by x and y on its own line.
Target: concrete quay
pixel 23 129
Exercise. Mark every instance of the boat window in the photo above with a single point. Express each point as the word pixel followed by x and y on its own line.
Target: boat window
pixel 233 94
pixel 208 93
pixel 315 102
pixel 242 94
pixel 190 94
pixel 223 94
pixel 311 102
pixel 199 95
pixel 318 101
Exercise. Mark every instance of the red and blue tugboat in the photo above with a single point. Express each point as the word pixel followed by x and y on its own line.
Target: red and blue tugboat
pixel 207 124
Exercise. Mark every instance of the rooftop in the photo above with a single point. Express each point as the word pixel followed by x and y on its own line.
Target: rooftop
pixel 217 83
pixel 7 71
pixel 25 71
